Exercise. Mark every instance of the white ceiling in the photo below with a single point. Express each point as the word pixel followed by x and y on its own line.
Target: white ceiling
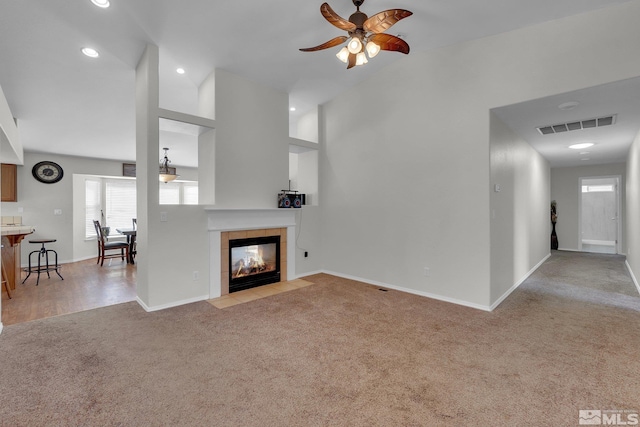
pixel 69 104
pixel 611 143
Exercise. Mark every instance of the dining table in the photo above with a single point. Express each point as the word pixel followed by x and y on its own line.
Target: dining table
pixel 131 240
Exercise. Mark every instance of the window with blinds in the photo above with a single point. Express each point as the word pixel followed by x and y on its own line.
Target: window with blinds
pixel 169 193
pixel 93 205
pixel 120 203
pixel 190 193
pixel 113 201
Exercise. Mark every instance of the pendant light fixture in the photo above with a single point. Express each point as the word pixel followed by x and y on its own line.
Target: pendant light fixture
pixel 167 174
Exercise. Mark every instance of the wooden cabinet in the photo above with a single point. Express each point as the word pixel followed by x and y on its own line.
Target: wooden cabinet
pixel 9 183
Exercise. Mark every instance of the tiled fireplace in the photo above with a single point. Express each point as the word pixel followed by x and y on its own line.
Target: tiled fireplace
pixel 240 226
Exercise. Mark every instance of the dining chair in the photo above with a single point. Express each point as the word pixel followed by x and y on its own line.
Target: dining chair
pixel 134 247
pixel 104 246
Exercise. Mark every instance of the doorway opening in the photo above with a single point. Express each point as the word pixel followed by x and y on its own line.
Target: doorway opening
pixel 600 214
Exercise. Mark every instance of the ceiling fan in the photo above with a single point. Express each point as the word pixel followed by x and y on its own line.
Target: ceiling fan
pixel 365 34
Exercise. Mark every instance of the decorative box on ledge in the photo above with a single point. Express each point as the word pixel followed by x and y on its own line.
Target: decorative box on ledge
pixel 291 199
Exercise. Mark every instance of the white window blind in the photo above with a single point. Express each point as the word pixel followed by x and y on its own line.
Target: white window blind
pixel 169 193
pixel 93 205
pixel 190 193
pixel 120 203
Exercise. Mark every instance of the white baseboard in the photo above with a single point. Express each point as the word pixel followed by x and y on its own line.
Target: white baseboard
pixel 633 277
pixel 171 304
pixel 64 261
pixel 1 327
pixel 520 282
pixel 310 273
pixel 411 291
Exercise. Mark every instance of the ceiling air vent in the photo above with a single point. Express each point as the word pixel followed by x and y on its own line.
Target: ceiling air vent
pixel 577 125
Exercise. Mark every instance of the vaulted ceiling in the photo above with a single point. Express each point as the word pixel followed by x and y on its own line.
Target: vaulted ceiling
pixel 68 103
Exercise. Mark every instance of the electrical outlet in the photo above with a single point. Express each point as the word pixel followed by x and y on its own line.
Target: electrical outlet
pixel 196 275
pixel 427 272
pixel 163 217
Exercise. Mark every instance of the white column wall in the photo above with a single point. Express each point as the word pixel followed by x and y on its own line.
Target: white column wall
pixel 252 143
pixel 633 210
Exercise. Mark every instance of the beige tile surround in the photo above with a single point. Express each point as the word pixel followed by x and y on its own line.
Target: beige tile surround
pixel 259 292
pixel 225 236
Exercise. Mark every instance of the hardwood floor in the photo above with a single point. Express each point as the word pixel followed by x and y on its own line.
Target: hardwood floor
pixel 86 285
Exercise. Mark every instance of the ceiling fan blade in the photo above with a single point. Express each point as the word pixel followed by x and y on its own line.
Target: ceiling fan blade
pixel 336 19
pixel 352 61
pixel 331 43
pixel 389 42
pixel 382 21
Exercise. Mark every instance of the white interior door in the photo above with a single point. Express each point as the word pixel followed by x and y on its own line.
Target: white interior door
pixel 599 212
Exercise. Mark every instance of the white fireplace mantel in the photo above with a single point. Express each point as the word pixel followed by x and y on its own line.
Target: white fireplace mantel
pixel 220 219
pixel 246 219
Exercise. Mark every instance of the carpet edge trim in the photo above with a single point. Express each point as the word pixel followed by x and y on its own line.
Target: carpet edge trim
pixel 518 283
pixel 150 309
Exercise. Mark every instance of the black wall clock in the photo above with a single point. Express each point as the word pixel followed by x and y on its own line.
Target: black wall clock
pixel 47 172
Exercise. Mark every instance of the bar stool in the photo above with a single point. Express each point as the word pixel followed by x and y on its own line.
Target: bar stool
pixel 5 282
pixel 42 253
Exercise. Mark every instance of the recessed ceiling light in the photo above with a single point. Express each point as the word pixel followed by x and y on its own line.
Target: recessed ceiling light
pixel 180 71
pixel 292 109
pixel 568 105
pixel 581 146
pixel 91 53
pixel 101 3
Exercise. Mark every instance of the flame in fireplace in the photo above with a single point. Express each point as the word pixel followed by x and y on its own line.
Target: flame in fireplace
pixel 251 262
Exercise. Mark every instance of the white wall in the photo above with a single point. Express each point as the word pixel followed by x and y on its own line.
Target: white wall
pixel 38 202
pixel 520 224
pixel 307 126
pixel 252 143
pixel 406 185
pixel 565 190
pixel 633 210
pixel 11 150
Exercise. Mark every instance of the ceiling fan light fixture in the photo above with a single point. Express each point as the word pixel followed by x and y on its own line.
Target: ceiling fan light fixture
pixel 372 49
pixel 355 45
pixel 366 35
pixel 343 55
pixel 361 59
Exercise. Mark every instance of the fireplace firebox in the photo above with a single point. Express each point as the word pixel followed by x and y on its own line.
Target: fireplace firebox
pixel 253 262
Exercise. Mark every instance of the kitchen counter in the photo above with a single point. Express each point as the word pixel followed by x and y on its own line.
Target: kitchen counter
pixel 12 235
pixel 13 230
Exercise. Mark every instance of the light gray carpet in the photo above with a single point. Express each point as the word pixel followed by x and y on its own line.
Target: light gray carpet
pixel 337 353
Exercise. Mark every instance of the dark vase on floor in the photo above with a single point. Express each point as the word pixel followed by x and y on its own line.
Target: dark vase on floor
pixel 554 237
